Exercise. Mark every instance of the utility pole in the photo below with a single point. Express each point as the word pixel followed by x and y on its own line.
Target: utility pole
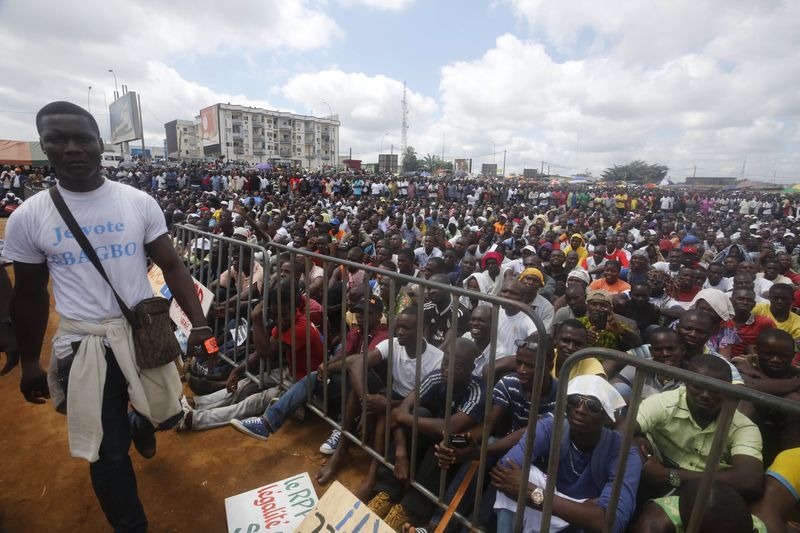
pixel 694 172
pixel 404 126
pixel 744 166
pixel 141 125
pixel 504 163
pixel 542 171
pixel 548 170
pixel 88 101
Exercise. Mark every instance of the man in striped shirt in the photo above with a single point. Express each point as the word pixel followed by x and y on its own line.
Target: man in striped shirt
pixel 467 408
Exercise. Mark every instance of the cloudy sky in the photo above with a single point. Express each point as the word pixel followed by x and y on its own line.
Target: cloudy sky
pixel 577 84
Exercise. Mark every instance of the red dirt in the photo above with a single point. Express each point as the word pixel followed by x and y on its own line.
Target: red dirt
pixel 42 488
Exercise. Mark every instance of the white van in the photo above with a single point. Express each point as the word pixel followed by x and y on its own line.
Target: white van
pixel 111 159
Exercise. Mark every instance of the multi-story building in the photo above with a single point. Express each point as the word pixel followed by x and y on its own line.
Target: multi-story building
pixel 183 139
pixel 257 135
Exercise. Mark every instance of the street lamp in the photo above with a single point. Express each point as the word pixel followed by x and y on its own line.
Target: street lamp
pixel 88 100
pixel 116 88
pixel 382 139
pixel 330 131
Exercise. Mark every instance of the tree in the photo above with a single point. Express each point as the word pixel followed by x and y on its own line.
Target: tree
pixel 431 163
pixel 636 171
pixel 410 162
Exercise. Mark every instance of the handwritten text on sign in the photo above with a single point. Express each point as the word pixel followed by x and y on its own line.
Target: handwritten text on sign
pixel 277 507
pixel 206 298
pixel 340 511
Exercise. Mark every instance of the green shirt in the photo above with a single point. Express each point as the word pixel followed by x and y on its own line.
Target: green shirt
pixel 682 443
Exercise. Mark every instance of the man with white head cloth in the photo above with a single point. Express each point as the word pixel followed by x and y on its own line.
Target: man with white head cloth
pixel 589 451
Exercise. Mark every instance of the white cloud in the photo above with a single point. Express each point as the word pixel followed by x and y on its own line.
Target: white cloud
pixel 368 106
pixel 603 83
pixel 74 45
pixel 381 5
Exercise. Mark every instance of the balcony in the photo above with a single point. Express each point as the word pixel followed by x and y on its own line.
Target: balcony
pixel 259 151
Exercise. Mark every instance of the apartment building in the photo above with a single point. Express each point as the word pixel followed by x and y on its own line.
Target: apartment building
pixel 262 135
pixel 183 140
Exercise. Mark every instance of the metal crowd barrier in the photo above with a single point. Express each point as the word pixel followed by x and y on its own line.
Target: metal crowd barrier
pixel 732 394
pixel 185 235
pixel 329 264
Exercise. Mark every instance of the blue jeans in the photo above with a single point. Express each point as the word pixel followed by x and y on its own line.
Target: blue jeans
pixel 113 479
pixel 296 396
pixel 505 520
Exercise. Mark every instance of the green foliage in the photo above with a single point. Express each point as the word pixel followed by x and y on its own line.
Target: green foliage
pixel 410 162
pixel 636 171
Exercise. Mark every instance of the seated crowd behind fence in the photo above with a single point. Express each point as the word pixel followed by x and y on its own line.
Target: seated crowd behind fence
pixel 705 282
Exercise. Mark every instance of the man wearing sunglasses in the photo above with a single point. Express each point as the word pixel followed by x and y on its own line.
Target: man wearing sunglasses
pixel 679 427
pixel 588 457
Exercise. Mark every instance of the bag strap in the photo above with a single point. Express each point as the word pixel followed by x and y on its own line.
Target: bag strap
pixel 86 246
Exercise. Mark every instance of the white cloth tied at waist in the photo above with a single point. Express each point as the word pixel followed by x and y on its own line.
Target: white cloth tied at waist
pixel 154 393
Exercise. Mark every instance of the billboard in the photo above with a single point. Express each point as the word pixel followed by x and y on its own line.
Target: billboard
pixel 463 165
pixel 209 125
pixel 530 173
pixel 387 163
pixel 489 171
pixel 126 123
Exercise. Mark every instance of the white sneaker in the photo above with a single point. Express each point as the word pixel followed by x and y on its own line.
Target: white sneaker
pixel 330 445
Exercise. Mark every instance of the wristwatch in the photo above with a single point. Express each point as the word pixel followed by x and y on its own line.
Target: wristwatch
pixel 537 496
pixel 674 478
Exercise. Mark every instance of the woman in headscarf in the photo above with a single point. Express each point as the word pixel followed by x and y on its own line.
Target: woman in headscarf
pixel 716 304
pixel 494 271
pixel 545 249
pixel 577 244
pixel 478 283
pixel 533 279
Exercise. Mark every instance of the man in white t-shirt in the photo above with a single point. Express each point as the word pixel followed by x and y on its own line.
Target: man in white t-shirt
pixel 512 325
pixel 124 226
pixel 403 366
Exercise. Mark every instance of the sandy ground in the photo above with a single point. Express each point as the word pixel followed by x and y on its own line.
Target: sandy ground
pixel 183 488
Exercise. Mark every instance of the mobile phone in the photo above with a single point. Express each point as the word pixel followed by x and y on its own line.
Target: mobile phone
pixel 458 441
pixel 601 321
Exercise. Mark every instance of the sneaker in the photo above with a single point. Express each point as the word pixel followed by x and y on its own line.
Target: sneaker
pixel 143 435
pixel 330 445
pixel 254 427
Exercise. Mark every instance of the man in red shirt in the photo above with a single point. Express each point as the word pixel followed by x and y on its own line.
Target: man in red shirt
pixel 616 250
pixel 747 325
pixel 260 427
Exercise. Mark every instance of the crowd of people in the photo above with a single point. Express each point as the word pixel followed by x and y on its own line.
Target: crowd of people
pixel 702 280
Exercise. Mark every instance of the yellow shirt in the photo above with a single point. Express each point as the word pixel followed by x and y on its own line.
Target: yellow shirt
pixel 666 421
pixel 790 326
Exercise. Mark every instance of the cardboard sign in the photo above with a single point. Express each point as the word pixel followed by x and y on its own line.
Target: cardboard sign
pixel 157 282
pixel 206 298
pixel 339 510
pixel 277 507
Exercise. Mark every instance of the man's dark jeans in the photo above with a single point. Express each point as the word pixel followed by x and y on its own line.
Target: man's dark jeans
pixel 113 479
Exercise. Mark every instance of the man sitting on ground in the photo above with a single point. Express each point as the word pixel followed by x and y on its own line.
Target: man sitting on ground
pixel 467 411
pixel 588 447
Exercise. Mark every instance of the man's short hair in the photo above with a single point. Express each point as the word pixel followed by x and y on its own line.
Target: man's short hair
pixel 569 323
pixel 408 253
pixel 64 108
pixel 784 287
pixel 713 364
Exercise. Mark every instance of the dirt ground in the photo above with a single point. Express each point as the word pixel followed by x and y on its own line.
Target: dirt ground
pixel 183 488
